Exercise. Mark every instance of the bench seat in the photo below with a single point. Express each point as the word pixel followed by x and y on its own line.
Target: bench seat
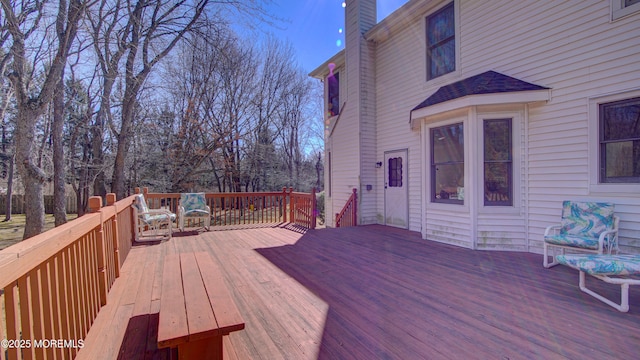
pixel 196 308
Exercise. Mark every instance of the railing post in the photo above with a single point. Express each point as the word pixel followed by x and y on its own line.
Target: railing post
pixel 283 207
pixel 291 206
pixel 314 211
pixel 354 213
pixel 111 200
pixel 95 203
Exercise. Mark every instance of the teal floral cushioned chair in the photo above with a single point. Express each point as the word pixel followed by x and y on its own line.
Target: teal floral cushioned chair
pixel 151 219
pixel 193 207
pixel 588 227
pixel 620 269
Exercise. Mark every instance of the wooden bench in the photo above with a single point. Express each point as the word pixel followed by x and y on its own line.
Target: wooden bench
pixel 196 308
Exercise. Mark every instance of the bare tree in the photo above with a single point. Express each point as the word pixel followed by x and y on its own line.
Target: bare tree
pixel 22 20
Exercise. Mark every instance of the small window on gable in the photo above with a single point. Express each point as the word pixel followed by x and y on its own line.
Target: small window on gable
pixel 333 101
pixel 619 125
pixel 622 8
pixel 441 42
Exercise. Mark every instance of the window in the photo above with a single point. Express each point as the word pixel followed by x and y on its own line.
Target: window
pixel 395 172
pixel 330 174
pixel 333 105
pixel 619 134
pixel 498 162
pixel 447 164
pixel 622 8
pixel 441 42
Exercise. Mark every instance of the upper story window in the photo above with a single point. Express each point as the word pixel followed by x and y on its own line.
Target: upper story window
pixel 441 42
pixel 447 164
pixel 619 125
pixel 333 100
pixel 498 162
pixel 622 8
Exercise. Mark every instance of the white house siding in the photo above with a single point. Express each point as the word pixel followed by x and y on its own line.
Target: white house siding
pixel 352 141
pixel 572 47
pixel 397 76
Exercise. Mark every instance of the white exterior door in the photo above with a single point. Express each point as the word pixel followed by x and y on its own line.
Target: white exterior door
pixel 396 204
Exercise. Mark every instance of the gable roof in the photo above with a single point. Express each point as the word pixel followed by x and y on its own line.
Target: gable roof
pixel 489 82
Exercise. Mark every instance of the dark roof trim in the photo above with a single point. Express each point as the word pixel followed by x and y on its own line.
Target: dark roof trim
pixel 489 82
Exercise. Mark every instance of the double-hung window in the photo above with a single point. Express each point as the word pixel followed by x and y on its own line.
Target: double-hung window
pixel 447 164
pixel 619 139
pixel 441 42
pixel 498 162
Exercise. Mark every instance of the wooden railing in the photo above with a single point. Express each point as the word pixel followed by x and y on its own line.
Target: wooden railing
pixel 54 284
pixel 248 208
pixel 348 216
pixel 303 210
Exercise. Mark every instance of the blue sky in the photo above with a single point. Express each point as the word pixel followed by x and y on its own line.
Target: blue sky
pixel 313 27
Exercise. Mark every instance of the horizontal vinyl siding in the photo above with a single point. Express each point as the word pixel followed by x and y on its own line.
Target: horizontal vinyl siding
pixel 344 162
pixel 399 72
pixel 572 47
pixel 505 233
pixel 449 227
pixel 368 134
pixel 569 46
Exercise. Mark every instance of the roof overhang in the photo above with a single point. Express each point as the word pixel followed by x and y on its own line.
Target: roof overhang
pixel 520 97
pixel 322 71
pixel 488 88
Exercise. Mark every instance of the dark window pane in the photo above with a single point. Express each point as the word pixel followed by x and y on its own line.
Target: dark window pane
pixel 448 144
pixel 395 172
pixel 631 2
pixel 443 59
pixel 498 173
pixel 449 182
pixel 334 94
pixel 447 164
pixel 621 119
pixel 440 25
pixel 497 139
pixel 623 160
pixel 497 182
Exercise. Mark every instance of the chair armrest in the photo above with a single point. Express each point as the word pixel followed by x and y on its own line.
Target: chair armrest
pixel 554 228
pixel 612 242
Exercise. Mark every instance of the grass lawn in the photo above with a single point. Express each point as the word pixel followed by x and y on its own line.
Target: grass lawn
pixel 11 231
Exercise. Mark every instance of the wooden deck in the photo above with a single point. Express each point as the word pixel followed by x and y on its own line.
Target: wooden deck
pixel 373 292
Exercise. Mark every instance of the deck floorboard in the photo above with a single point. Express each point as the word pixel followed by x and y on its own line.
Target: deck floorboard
pixel 373 292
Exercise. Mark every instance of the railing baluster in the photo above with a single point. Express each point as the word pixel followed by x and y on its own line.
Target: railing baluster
pixel 36 311
pixel 11 310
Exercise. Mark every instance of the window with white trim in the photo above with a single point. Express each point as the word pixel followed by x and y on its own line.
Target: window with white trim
pixel 619 141
pixel 498 162
pixel 622 8
pixel 447 164
pixel 441 42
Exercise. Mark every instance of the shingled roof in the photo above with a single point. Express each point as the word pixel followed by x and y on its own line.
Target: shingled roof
pixel 489 82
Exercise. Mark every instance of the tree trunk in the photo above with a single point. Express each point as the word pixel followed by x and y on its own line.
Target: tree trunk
pixel 33 177
pixel 7 216
pixel 59 210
